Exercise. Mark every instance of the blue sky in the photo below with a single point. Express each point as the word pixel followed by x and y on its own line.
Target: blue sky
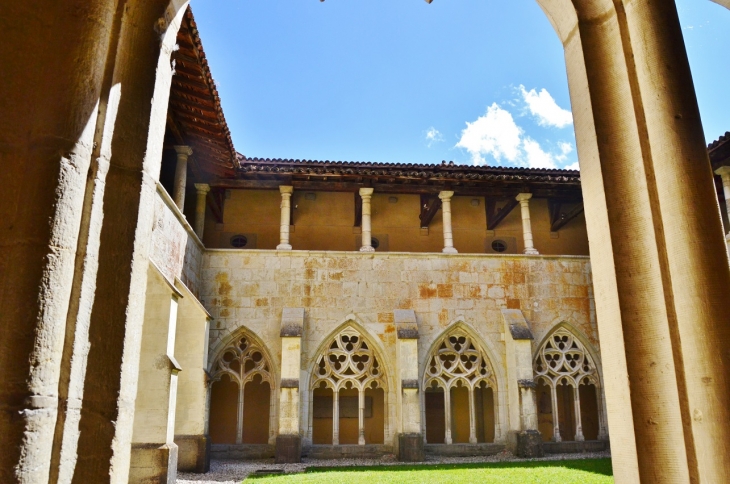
pixel 473 81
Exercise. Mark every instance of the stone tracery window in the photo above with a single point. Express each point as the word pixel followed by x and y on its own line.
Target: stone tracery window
pixel 349 365
pixel 458 367
pixel 244 364
pixel 563 363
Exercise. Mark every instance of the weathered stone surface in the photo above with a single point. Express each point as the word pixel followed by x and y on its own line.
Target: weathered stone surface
pixel 193 454
pixel 288 449
pixel 152 464
pixel 463 450
pixel 529 444
pixel 410 448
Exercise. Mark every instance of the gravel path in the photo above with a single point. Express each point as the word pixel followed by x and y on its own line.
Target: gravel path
pixel 233 472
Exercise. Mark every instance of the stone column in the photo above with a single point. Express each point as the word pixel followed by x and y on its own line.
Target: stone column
pixel 447 415
pixel 578 423
pixel 335 417
pixel 472 418
pixel 288 441
pixel 286 192
pixel 556 420
pixel 410 438
pixel 181 175
pixel 361 417
pixel 48 130
pixel 524 199
pixel 724 172
pixel 523 438
pixel 154 453
pixel 446 214
pixel 202 190
pixel 644 172
pixel 191 352
pixel 367 242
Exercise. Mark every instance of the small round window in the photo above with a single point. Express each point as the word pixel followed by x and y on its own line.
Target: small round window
pixel 499 246
pixel 374 243
pixel 239 241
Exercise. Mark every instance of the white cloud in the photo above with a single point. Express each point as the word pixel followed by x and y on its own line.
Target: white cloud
pixel 495 134
pixel 535 157
pixel 433 135
pixel 572 166
pixel 543 106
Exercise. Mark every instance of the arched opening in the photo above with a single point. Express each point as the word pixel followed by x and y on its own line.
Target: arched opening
pixel 256 411
pixel 322 415
pixel 543 397
pixel 459 397
pixel 484 405
pixel 566 410
pixel 435 414
pixel 348 393
pixel 589 410
pixel 567 393
pixel 241 394
pixel 223 410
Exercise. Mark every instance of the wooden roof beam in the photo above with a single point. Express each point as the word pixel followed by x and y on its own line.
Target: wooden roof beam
pixel 429 206
pixel 495 214
pixel 559 218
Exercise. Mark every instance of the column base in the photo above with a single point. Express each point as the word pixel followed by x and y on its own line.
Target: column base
pixel 450 250
pixel 529 444
pixel 366 248
pixel 283 247
pixel 153 463
pixel 193 454
pixel 530 252
pixel 410 448
pixel 288 449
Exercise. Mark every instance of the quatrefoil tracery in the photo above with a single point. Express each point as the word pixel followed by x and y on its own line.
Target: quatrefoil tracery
pixel 348 362
pixel 458 361
pixel 564 360
pixel 242 360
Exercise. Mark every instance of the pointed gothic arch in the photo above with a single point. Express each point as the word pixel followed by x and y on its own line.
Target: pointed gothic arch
pixel 459 366
pixel 245 377
pixel 566 366
pixel 349 367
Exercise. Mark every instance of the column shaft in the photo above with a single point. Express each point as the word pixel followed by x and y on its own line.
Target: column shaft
pixel 286 193
pixel 367 242
pixel 524 199
pixel 556 418
pixel 446 215
pixel 724 172
pixel 239 415
pixel 447 414
pixel 578 423
pixel 202 190
pixel 361 417
pixel 335 418
pixel 181 175
pixel 472 418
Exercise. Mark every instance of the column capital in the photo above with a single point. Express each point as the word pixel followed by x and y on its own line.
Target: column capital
pixel 366 192
pixel 286 189
pixel 723 171
pixel 523 196
pixel 446 195
pixel 202 187
pixel 183 150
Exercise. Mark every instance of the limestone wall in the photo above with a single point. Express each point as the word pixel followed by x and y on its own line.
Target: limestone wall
pixel 249 289
pixel 176 250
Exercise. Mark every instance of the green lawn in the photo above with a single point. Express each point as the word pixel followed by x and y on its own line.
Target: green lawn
pixel 584 471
